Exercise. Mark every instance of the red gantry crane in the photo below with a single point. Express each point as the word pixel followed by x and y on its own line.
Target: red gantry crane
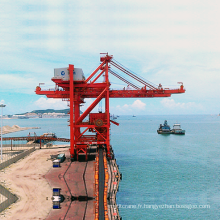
pixel 72 86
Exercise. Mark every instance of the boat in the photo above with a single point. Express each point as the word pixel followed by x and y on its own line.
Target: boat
pixel 133 116
pixel 177 129
pixel 23 117
pixel 114 117
pixel 164 129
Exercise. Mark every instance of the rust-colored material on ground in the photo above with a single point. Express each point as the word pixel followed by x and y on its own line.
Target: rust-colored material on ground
pixel 106 187
pixel 69 178
pixel 97 188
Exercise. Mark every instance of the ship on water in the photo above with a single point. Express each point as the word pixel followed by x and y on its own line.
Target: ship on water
pixel 177 129
pixel 165 129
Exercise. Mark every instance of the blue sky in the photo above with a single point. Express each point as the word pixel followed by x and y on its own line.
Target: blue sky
pixel 163 41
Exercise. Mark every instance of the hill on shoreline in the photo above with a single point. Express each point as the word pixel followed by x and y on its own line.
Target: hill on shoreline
pixel 66 111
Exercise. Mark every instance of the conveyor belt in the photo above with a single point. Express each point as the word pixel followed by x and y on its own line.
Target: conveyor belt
pixel 101 185
pixel 34 138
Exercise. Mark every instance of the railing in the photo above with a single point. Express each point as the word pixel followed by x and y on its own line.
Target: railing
pixel 97 188
pixel 16 158
pixel 106 187
pixel 113 189
pixel 34 138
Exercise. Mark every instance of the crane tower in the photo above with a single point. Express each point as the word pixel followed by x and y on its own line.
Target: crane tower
pixel 72 86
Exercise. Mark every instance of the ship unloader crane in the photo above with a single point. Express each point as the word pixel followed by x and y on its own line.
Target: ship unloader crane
pixel 72 86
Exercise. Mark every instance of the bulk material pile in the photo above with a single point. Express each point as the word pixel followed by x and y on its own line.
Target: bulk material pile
pixel 14 128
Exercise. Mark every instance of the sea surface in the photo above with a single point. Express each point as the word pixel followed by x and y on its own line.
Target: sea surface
pixel 164 177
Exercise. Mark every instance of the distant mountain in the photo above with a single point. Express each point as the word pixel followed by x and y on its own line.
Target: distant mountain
pixel 66 111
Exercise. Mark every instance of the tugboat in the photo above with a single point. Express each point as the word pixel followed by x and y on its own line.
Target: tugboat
pixel 164 129
pixel 177 129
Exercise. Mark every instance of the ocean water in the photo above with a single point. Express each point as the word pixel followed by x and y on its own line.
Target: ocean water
pixel 164 177
pixel 168 176
pixel 45 125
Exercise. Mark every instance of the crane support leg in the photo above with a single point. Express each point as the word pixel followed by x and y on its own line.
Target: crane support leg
pixel 72 122
pixel 107 112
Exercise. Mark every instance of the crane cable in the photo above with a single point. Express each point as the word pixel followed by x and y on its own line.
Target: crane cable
pixel 123 79
pixel 133 75
pixel 153 84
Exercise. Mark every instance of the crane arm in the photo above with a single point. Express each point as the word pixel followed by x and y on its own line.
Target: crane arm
pixel 95 92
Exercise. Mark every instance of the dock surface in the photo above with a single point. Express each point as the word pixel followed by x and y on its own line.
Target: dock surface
pixel 75 179
pixel 33 178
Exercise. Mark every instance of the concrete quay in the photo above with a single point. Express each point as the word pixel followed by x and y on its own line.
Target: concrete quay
pixel 33 178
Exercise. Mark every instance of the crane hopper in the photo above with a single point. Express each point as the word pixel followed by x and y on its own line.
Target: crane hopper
pixel 71 85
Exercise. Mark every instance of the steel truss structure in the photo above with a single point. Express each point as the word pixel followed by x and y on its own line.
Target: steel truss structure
pixel 98 123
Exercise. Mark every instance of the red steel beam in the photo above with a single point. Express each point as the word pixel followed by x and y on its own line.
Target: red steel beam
pixel 98 76
pixel 107 111
pixel 72 128
pixel 97 69
pixel 93 93
pixel 89 109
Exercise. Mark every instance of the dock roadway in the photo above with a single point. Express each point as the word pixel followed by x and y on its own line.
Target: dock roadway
pixel 74 179
pixel 77 183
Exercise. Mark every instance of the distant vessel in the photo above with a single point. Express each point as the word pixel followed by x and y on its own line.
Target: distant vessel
pixel 23 117
pixel 177 129
pixel 114 117
pixel 164 129
pixel 133 116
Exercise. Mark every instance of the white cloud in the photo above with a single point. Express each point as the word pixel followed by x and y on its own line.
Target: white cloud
pixel 139 105
pixel 166 42
pixel 43 103
pixel 147 26
pixel 136 106
pixel 19 83
pixel 171 104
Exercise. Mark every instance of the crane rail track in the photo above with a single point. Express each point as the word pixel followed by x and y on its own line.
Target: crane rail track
pixel 34 138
